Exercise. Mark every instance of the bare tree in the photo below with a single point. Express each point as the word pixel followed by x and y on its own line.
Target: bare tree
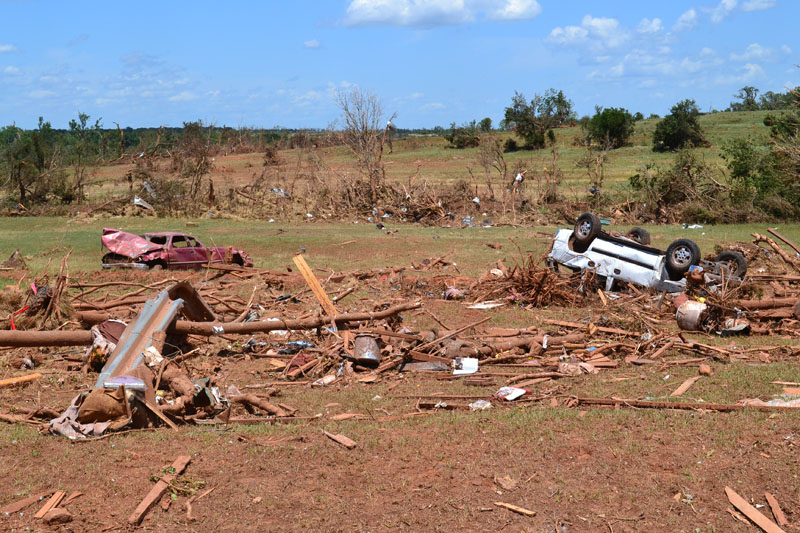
pixel 363 116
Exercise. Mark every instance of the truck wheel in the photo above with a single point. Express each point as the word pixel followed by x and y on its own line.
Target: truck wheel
pixel 158 265
pixel 642 236
pixel 681 254
pixel 587 227
pixel 736 263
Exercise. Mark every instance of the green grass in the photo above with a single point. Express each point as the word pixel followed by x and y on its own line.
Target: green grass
pixel 272 245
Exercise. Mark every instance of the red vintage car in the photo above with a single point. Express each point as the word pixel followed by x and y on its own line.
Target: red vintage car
pixel 168 249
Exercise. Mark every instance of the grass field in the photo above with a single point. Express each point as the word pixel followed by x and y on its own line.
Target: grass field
pixel 429 158
pixel 327 245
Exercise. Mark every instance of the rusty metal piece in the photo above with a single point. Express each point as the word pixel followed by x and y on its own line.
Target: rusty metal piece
pixel 366 351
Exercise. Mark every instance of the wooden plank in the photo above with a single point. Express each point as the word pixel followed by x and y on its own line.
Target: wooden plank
pixel 315 286
pixel 341 439
pixel 658 353
pixel 20 379
pixel 520 510
pixel 777 512
pixel 156 411
pixel 158 490
pixel 71 497
pixel 22 504
pixel 577 325
pixel 54 500
pixel 685 386
pixel 752 513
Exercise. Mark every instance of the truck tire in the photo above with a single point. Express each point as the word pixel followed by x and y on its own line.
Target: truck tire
pixel 642 236
pixel 681 254
pixel 736 263
pixel 157 265
pixel 587 227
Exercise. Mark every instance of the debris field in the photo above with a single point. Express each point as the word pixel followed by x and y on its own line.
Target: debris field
pixel 268 360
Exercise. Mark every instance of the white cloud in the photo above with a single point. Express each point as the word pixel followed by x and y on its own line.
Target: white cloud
pixel 514 10
pixel 785 49
pixel 432 13
pixel 312 44
pixel 687 21
pixel 746 73
pixel 432 106
pixel 707 52
pixel 754 51
pixel 7 48
pixel 11 70
pixel 568 35
pixel 723 9
pixel 183 96
pixel 649 26
pixel 758 5
pixel 603 32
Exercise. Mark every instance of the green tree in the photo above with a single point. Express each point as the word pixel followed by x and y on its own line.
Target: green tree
pixel 611 127
pixel 532 121
pixel 679 129
pixel 485 125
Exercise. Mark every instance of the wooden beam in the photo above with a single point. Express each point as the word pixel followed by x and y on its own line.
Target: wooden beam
pixel 752 513
pixel 315 286
pixel 54 500
pixel 158 490
pixel 20 379
pixel 22 504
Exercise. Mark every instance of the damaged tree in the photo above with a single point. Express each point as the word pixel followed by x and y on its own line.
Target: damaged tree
pixel 363 115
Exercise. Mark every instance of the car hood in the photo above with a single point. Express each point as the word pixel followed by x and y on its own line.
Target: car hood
pixel 127 244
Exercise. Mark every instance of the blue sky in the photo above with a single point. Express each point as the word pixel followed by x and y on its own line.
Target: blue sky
pixel 432 62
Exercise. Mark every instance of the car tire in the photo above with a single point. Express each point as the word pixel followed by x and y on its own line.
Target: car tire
pixel 737 264
pixel 587 227
pixel 642 236
pixel 157 266
pixel 681 254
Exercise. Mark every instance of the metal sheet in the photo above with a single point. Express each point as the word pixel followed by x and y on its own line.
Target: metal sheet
pixel 156 315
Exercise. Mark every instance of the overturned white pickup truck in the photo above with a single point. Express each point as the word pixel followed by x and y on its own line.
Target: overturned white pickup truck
pixel 631 258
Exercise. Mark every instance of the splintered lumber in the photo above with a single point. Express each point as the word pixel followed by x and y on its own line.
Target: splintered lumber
pixel 254 401
pixel 520 510
pixel 722 407
pixel 780 251
pixel 578 325
pixel 347 442
pixel 259 326
pixel 315 286
pixel 661 351
pixel 20 379
pixel 685 386
pixel 792 245
pixel 752 513
pixel 54 500
pixel 22 504
pixel 158 490
pixel 777 512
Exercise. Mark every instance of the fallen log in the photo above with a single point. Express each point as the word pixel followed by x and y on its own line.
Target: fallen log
pixel 18 338
pixel 722 407
pixel 767 303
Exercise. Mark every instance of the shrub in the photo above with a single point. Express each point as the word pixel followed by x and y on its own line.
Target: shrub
pixel 611 127
pixel 679 129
